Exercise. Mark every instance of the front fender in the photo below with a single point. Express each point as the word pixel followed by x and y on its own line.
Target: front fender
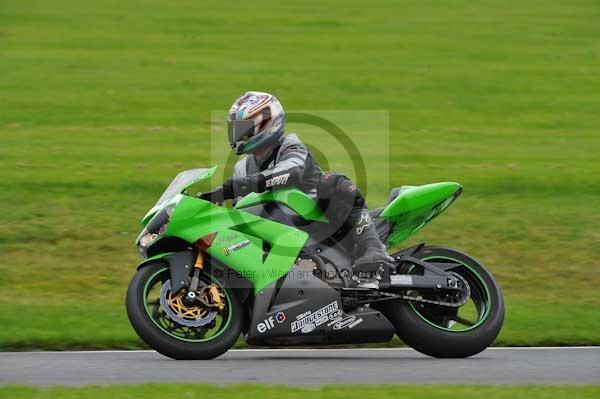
pixel 155 259
pixel 180 265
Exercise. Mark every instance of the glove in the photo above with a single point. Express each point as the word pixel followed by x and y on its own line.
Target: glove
pixel 215 195
pixel 240 186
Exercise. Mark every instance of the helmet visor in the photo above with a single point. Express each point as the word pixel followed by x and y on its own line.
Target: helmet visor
pixel 239 130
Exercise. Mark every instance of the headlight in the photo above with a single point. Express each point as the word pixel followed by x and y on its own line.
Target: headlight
pixel 155 228
pixel 149 238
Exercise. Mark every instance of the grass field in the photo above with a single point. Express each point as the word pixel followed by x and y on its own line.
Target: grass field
pixel 102 103
pixel 151 391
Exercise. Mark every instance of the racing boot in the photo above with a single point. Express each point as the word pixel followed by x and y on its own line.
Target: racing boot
pixel 370 258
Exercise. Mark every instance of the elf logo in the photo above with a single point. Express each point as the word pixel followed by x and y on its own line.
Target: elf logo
pixel 269 323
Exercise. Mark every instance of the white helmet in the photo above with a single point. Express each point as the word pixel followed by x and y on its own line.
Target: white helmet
pixel 255 120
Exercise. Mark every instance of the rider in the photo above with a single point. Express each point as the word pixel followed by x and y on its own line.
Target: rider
pixel 256 125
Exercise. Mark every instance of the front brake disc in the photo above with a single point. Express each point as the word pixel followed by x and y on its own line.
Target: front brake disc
pixel 179 312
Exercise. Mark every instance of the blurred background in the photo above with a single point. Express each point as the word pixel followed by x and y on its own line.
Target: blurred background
pixel 103 102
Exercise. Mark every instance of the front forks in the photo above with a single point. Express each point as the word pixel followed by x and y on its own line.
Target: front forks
pixel 193 287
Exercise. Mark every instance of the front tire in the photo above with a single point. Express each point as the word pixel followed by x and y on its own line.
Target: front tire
pixel 433 329
pixel 175 344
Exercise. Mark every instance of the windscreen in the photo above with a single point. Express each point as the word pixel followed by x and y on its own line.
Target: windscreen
pixel 182 181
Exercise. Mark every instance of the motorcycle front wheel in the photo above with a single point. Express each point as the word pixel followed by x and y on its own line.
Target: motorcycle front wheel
pixel 449 332
pixel 174 328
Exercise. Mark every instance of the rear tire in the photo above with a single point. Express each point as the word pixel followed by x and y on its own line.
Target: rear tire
pixel 161 341
pixel 436 340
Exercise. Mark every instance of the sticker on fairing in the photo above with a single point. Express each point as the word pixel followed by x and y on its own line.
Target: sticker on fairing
pixel 317 318
pixel 235 247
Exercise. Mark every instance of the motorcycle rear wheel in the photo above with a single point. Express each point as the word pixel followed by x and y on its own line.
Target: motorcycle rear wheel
pixel 441 331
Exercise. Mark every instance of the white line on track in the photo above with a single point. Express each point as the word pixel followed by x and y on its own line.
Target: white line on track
pixel 321 349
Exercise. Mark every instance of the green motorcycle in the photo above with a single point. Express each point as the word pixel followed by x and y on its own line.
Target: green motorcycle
pixel 272 268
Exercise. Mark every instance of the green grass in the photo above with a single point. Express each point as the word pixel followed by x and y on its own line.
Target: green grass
pixel 149 391
pixel 102 103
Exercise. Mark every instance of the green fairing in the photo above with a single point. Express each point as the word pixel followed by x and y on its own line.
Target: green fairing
pixel 241 235
pixel 293 198
pixel 237 243
pixel 416 206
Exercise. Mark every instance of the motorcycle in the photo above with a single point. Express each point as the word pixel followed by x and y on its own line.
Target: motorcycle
pixel 272 269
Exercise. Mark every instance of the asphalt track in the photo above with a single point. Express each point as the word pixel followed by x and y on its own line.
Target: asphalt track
pixel 302 367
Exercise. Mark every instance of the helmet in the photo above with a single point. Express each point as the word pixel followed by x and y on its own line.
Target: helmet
pixel 255 120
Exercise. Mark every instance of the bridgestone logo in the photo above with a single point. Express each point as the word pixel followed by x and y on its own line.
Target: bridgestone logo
pixel 311 318
pixel 277 180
